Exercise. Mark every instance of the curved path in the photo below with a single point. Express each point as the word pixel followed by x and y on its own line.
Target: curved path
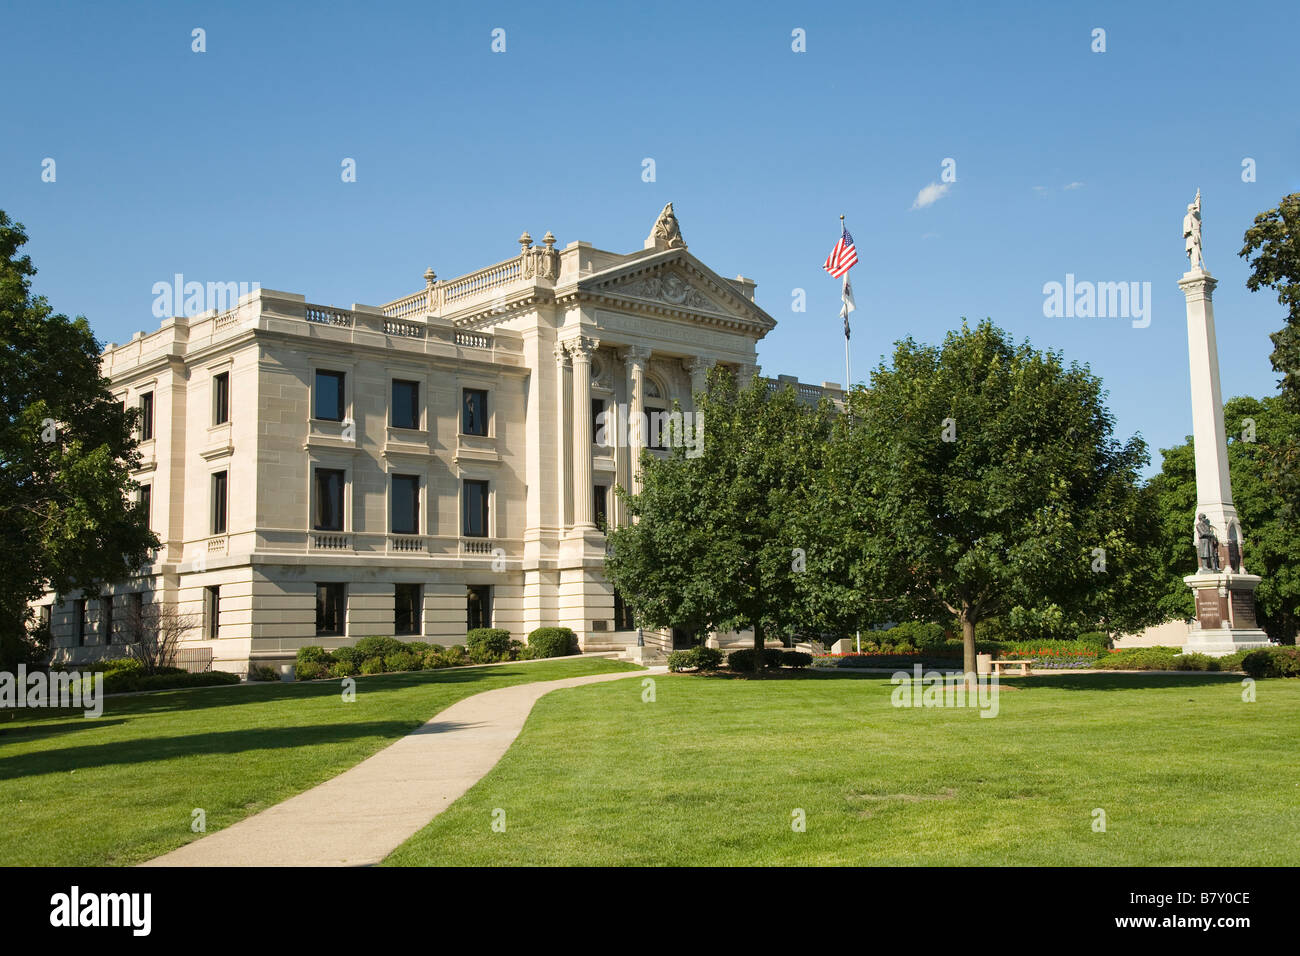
pixel 363 814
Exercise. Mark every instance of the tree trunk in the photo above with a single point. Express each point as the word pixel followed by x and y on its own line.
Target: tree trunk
pixel 967 641
pixel 759 662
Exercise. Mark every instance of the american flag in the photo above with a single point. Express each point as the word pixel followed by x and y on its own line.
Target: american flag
pixel 843 257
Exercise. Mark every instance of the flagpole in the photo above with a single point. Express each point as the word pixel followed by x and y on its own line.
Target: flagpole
pixel 848 376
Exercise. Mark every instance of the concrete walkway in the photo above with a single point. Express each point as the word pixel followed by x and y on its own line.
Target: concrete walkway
pixel 363 814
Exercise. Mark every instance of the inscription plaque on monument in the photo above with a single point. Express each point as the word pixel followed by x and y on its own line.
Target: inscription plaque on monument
pixel 1243 609
pixel 1209 608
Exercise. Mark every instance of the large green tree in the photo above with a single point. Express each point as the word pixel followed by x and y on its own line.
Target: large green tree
pixel 980 479
pixel 711 546
pixel 1255 427
pixel 67 449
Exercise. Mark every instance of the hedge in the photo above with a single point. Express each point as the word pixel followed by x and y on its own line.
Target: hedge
pixel 1272 662
pixel 552 642
pixel 696 659
pixel 488 644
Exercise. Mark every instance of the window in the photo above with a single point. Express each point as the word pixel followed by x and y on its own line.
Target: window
pixel 657 419
pixel 475 509
pixel 80 608
pixel 46 615
pixel 212 611
pixel 146 504
pixel 329 500
pixel 474 416
pixel 135 617
pixel 106 619
pixel 407 601
pixel 405 510
pixel 623 617
pixel 146 416
pixel 329 609
pixel 219 503
pixel 221 398
pixel 478 606
pixel 600 504
pixel 329 401
pixel 405 404
pixel 597 425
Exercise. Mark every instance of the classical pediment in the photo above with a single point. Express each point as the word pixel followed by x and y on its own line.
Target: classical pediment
pixel 669 287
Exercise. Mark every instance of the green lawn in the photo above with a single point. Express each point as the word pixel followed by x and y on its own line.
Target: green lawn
pixel 711 772
pixel 120 789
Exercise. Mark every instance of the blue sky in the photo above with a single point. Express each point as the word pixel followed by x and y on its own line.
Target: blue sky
pixel 225 165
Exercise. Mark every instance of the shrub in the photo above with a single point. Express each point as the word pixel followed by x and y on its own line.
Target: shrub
pixel 1232 662
pixel 1140 659
pixel 488 644
pixel 263 672
pixel 434 659
pixel 349 658
pixel 919 634
pixel 743 660
pixel 797 659
pixel 313 655
pixel 371 647
pixel 372 665
pixel 696 659
pixel 310 670
pixel 183 679
pixel 1098 640
pixel 402 661
pixel 1195 662
pixel 339 670
pixel 552 642
pixel 1272 662
pixel 123 665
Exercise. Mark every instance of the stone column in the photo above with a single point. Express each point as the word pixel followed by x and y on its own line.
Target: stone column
pixel 580 351
pixel 698 368
pixel 563 455
pixel 1225 598
pixel 635 360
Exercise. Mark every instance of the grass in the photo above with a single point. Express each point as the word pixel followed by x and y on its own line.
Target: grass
pixel 712 771
pixel 120 789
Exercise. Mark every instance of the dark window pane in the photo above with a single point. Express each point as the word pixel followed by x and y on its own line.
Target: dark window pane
pixel 106 619
pixel 406 504
pixel 597 425
pixel 146 416
pixel 221 398
pixel 475 509
pixel 623 617
pixel 329 609
pixel 474 418
pixel 146 504
pixel 406 404
pixel 219 503
pixel 329 499
pixel 657 422
pixel 600 502
pixel 81 622
pixel 478 606
pixel 213 612
pixel 406 608
pixel 329 396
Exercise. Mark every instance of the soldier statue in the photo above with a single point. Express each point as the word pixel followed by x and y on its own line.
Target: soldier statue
pixel 1207 545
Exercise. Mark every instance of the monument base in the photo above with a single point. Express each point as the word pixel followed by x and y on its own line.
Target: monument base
pixel 1225 614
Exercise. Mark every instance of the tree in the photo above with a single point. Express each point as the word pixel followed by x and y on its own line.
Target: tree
pixel 710 548
pixel 980 479
pixel 1272 248
pixel 1255 427
pixel 153 633
pixel 66 454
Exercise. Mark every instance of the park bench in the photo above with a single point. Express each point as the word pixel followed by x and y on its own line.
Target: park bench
pixel 1023 665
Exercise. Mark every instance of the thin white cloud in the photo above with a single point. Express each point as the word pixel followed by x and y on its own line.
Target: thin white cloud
pixel 1041 190
pixel 930 195
pixel 1073 186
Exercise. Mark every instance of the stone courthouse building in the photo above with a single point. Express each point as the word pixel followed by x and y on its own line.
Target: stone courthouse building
pixel 319 474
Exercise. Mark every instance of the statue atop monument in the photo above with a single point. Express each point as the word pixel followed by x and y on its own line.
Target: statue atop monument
pixel 667 233
pixel 1192 233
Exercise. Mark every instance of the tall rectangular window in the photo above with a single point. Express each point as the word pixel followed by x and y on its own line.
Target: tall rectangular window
pixel 146 505
pixel 478 606
pixel 407 601
pixel 598 426
pixel 474 415
pixel 405 510
pixel 329 403
pixel 219 503
pixel 135 617
pixel 624 620
pixel 80 609
pixel 405 405
pixel 146 416
pixel 329 500
pixel 600 505
pixel 475 509
pixel 221 398
pixel 330 605
pixel 106 618
pixel 212 611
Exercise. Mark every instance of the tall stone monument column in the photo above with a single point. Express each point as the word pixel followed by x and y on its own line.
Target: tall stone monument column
pixel 1225 593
